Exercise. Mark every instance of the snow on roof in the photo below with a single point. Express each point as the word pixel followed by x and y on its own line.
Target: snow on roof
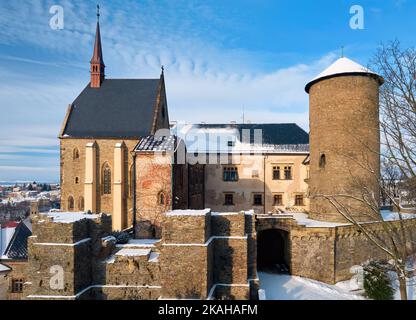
pixel 4 268
pixel 394 216
pixel 303 219
pixel 188 212
pixel 341 66
pixel 133 252
pixel 70 217
pixel 224 213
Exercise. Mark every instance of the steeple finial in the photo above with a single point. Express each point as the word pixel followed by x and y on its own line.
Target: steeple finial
pixel 342 51
pixel 98 12
pixel 163 69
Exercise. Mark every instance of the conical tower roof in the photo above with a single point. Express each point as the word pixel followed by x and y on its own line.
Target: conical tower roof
pixel 343 66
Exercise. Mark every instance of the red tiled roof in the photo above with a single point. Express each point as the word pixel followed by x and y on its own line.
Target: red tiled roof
pixel 10 224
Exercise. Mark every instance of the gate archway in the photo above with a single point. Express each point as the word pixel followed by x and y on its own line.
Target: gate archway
pixel 273 252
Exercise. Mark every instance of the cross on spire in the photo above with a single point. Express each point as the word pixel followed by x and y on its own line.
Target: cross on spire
pixel 98 12
pixel 342 51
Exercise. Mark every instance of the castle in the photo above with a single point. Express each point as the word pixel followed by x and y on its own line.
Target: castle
pixel 122 166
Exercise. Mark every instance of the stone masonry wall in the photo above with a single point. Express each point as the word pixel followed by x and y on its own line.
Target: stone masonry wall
pixel 66 248
pixel 200 256
pixel 75 168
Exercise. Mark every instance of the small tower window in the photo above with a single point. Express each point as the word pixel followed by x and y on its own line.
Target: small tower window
pixel 70 203
pixel 161 199
pixel 322 161
pixel 106 179
pixel 76 180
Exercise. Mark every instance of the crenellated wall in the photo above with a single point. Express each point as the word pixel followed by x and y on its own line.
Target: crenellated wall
pixel 201 255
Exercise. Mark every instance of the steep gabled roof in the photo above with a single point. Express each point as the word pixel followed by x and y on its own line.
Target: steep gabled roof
pixel 17 248
pixel 120 108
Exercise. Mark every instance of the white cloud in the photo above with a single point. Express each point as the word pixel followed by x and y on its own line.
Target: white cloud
pixel 205 80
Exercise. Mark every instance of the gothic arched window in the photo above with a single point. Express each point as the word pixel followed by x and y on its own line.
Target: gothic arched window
pixel 106 179
pixel 70 203
pixel 81 203
pixel 75 154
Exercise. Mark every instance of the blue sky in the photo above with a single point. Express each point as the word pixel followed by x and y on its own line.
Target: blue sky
pixel 219 57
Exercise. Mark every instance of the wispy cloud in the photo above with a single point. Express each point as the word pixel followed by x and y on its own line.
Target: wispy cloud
pixel 206 79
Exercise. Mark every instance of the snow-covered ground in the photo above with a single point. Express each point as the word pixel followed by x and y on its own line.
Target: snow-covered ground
pixel 287 287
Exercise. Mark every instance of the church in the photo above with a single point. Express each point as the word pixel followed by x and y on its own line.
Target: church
pixel 99 148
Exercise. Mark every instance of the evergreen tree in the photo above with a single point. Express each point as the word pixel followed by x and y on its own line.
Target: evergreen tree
pixel 377 283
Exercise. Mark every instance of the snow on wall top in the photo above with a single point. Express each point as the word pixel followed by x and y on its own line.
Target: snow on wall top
pixel 133 252
pixel 70 217
pixel 188 212
pixel 341 66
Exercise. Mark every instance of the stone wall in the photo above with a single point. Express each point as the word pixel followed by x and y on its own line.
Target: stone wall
pixel 351 152
pixel 68 249
pixel 213 255
pixel 153 178
pixel 200 256
pixel 327 253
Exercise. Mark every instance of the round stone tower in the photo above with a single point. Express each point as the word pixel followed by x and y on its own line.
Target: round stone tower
pixel 344 139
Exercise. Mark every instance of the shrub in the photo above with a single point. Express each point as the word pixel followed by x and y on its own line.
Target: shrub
pixel 377 283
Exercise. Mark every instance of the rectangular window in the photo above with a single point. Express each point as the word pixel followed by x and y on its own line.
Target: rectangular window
pixel 17 285
pixel 288 173
pixel 299 200
pixel 231 143
pixel 255 173
pixel 276 173
pixel 277 200
pixel 230 174
pixel 258 200
pixel 228 199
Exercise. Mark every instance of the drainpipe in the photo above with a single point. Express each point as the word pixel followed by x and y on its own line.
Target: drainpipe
pixel 134 194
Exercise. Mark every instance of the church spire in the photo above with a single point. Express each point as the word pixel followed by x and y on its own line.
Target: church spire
pixel 97 62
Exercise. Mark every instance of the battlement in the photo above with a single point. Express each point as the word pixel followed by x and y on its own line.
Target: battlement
pixel 201 255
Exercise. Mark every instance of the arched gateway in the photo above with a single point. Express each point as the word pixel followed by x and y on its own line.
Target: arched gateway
pixel 273 252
